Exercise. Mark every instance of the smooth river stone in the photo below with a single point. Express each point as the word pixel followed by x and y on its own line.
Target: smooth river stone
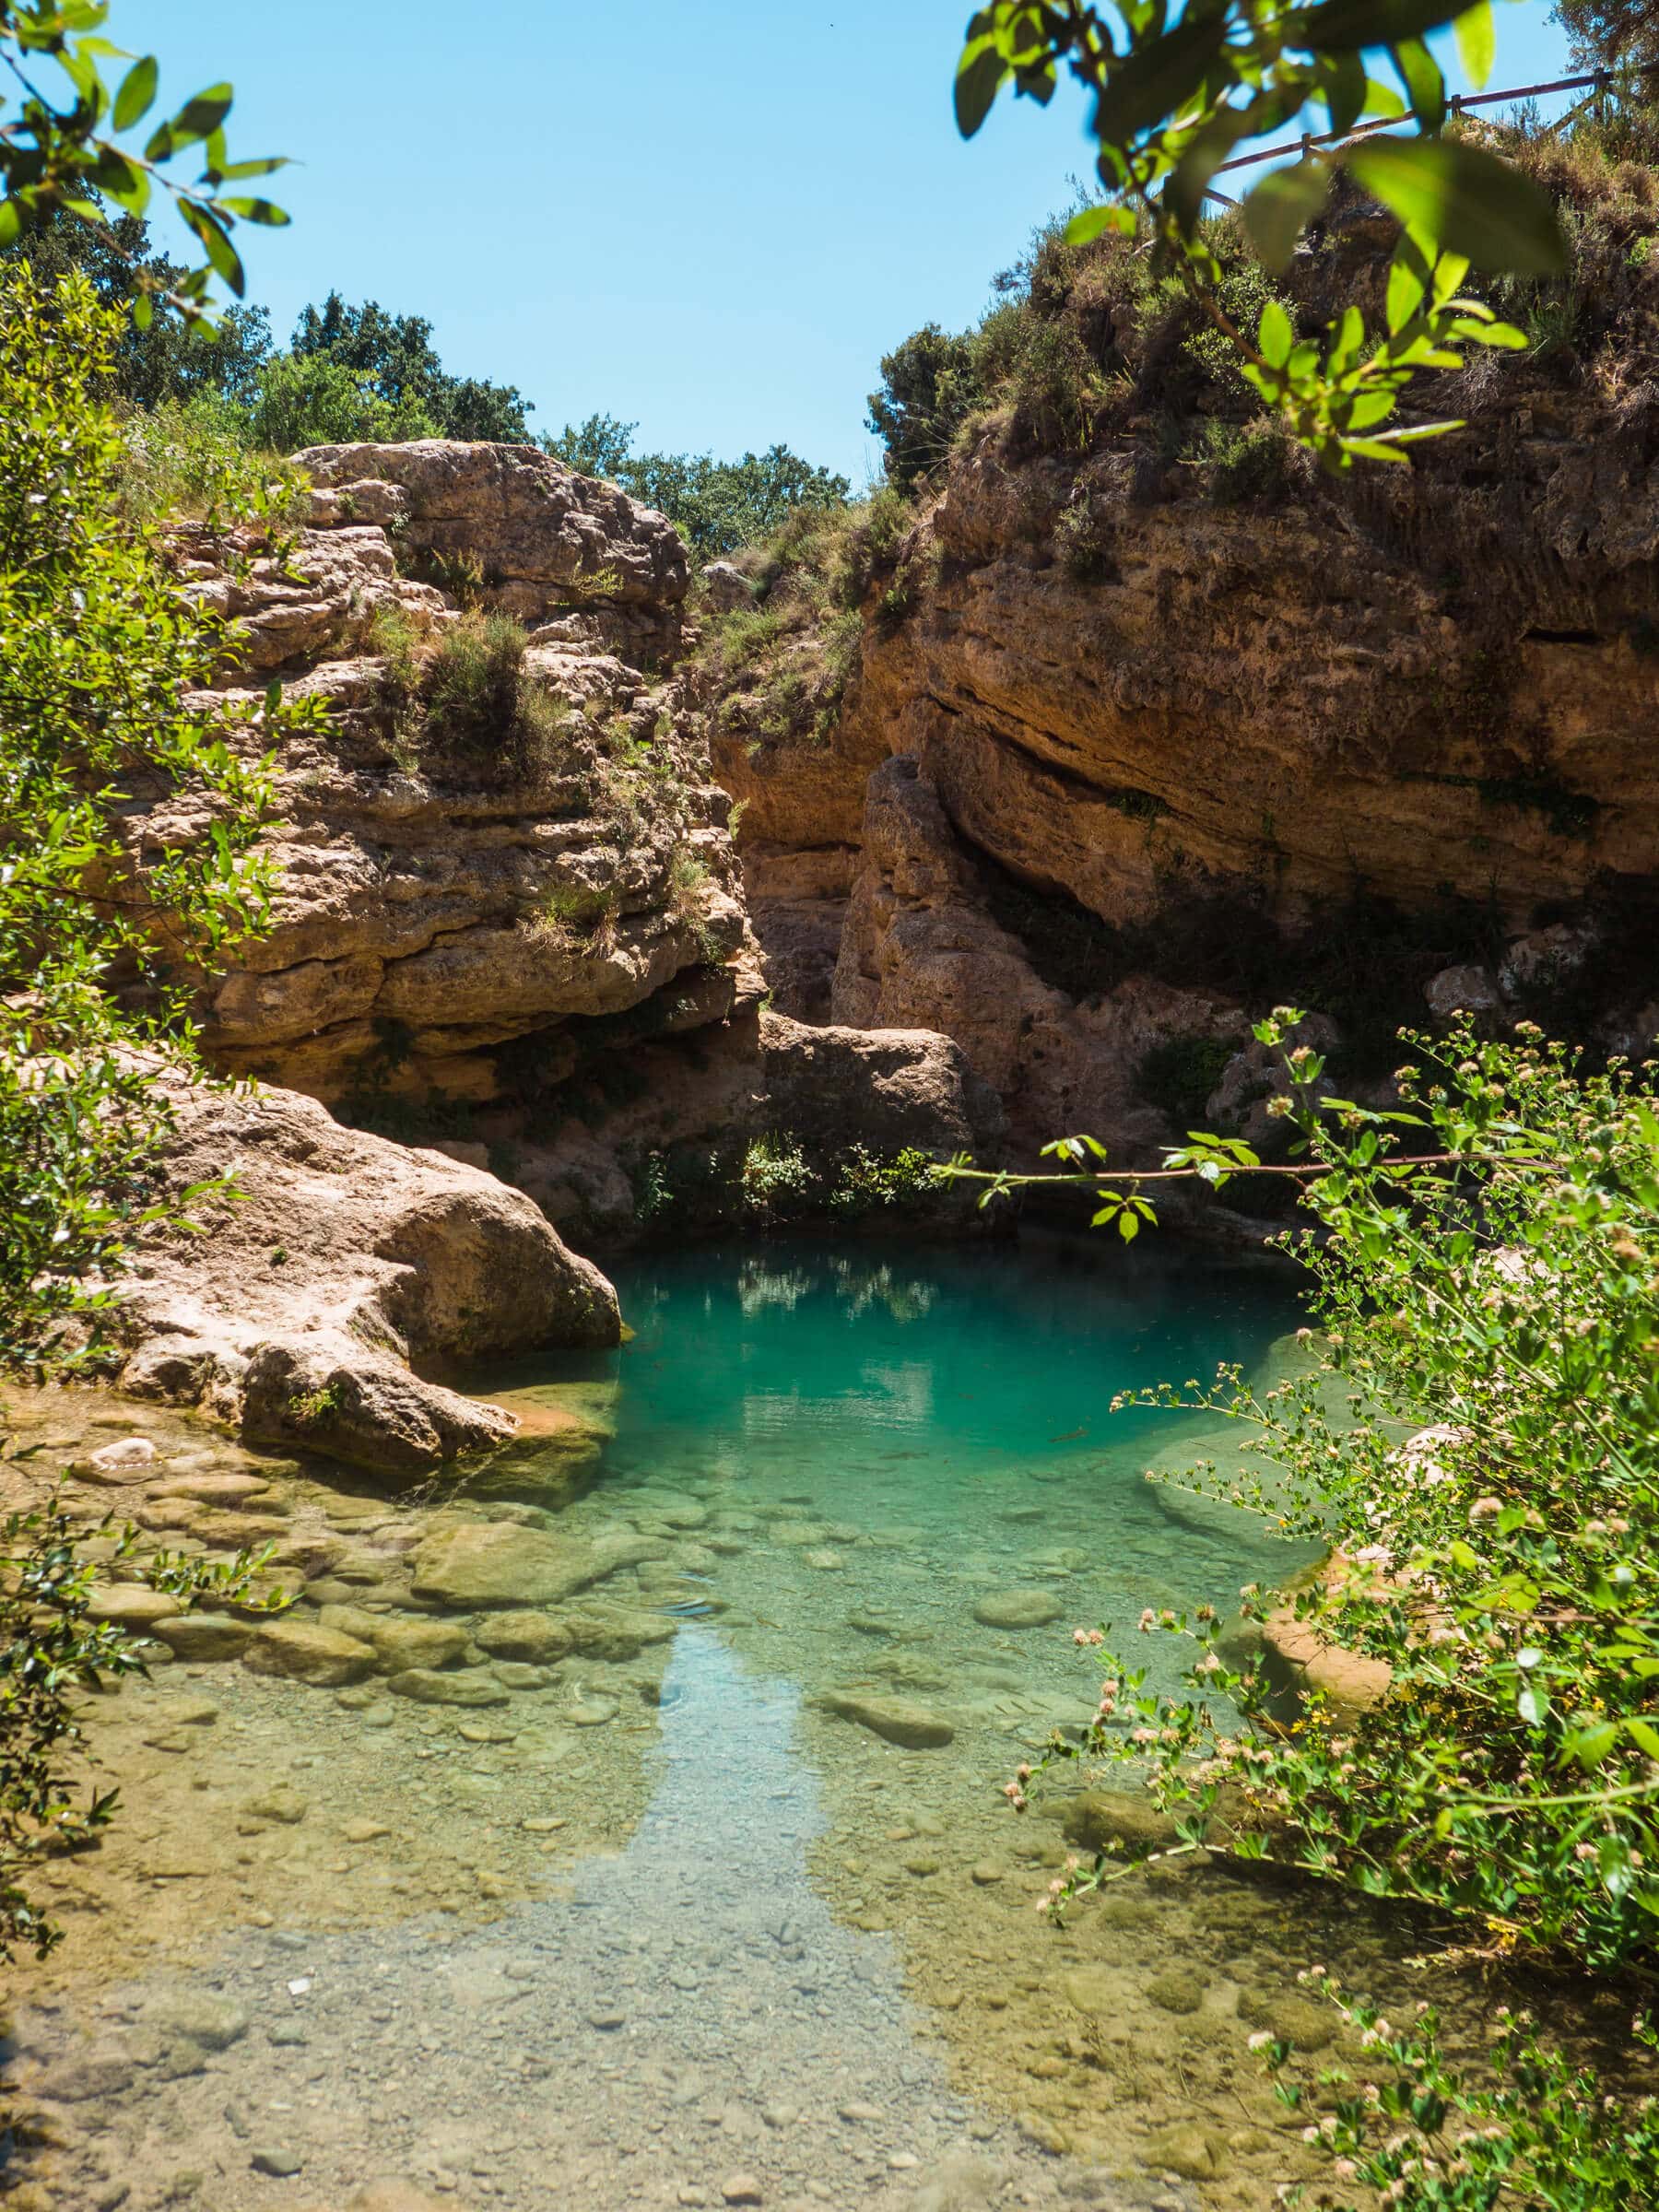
pixel 214 1490
pixel 896 1720
pixel 205 1636
pixel 534 1637
pixel 478 1564
pixel 429 1689
pixel 131 1605
pixel 1019 1609
pixel 303 1653
pixel 127 1460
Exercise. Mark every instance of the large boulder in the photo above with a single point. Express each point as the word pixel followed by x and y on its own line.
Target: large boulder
pixel 302 1306
pixel 884 1088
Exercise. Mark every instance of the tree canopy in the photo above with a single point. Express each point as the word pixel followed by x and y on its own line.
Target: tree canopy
pixel 716 505
pixel 397 365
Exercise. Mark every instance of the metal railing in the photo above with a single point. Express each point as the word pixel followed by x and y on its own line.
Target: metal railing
pixel 1597 81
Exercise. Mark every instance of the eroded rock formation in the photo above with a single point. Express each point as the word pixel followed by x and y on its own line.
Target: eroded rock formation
pixel 509 930
pixel 300 1307
pixel 1139 732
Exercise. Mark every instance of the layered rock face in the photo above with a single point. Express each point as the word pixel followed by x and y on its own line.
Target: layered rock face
pixel 507 930
pixel 438 896
pixel 1118 705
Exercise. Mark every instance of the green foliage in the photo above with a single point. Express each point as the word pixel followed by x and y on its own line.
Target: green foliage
pixel 1611 34
pixel 772 1181
pixel 107 658
pixel 1179 1074
pixel 717 506
pixel 392 362
pixel 602 446
pixel 784 661
pixel 1534 2128
pixel 170 361
pixel 1490 1295
pixel 63 151
pixel 468 699
pixel 1173 102
pixel 312 399
pixel 51 1648
pixel 870 1182
pixel 930 386
pixel 306 1408
pixel 1249 464
pixel 191 460
pixel 774 1176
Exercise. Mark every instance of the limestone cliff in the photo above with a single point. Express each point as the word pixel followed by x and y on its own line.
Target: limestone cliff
pixel 508 917
pixel 1118 765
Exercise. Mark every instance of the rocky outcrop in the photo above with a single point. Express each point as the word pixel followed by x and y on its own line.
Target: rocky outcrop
pixel 452 879
pixel 898 1088
pixel 547 544
pixel 507 930
pixel 306 1300
pixel 1095 710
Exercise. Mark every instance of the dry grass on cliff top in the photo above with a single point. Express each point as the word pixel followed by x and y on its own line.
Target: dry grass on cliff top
pixel 1092 347
pixel 781 665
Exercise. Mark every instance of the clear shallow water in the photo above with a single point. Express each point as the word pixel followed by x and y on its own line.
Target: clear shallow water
pixel 658 1918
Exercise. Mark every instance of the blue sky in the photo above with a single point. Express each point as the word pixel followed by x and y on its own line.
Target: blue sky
pixel 711 218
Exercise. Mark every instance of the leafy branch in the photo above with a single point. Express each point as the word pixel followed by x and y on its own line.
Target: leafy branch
pixel 64 150
pixel 1175 98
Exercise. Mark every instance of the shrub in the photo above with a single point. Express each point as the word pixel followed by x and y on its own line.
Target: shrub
pixel 312 399
pixel 930 385
pixel 104 687
pixel 1498 1306
pixel 1251 462
pixel 784 663
pixel 193 460
pixel 1537 2130
pixel 872 1181
pixel 1086 542
pixel 774 1175
pixel 471 700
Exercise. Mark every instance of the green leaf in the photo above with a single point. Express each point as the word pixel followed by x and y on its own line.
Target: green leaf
pixel 1280 207
pixel 1464 198
pixel 1592 1745
pixel 1157 80
pixel 1425 85
pixel 201 115
pixel 1643 1734
pixel 1533 1706
pixel 1343 26
pixel 1275 336
pixel 256 211
pixel 221 251
pixel 1089 222
pixel 1476 36
pixel 979 78
pixel 136 94
pixel 11 221
pixel 1343 88
pixel 1612 1864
